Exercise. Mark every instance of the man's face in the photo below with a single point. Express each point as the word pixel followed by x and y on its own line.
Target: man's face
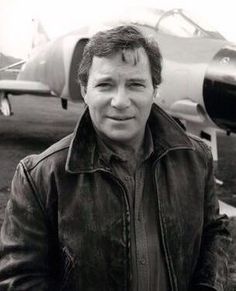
pixel 119 95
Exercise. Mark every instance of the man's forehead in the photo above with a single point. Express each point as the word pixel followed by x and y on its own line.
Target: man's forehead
pixel 124 64
pixel 128 56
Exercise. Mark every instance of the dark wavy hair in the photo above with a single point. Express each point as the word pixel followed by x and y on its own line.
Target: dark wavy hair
pixel 121 38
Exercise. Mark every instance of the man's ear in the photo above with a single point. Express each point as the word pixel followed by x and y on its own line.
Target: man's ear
pixel 83 92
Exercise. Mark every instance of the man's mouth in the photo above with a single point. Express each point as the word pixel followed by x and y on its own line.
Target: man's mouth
pixel 120 118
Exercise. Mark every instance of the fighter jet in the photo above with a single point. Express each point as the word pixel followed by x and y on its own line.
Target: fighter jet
pixel 199 71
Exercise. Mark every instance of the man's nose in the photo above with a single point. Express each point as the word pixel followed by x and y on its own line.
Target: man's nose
pixel 120 99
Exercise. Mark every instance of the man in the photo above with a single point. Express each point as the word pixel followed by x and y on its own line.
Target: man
pixel 125 203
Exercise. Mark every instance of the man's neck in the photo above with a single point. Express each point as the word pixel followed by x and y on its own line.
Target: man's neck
pixel 125 150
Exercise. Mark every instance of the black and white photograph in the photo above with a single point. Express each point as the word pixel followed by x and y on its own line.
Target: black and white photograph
pixel 117 145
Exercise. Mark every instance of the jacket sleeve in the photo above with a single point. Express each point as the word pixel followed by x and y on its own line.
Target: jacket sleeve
pixel 25 245
pixel 212 268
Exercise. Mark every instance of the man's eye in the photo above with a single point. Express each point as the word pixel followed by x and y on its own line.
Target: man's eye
pixel 103 85
pixel 137 85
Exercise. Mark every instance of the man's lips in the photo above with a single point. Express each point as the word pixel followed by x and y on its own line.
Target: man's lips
pixel 120 118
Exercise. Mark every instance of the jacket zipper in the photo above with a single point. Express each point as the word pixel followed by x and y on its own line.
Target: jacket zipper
pixel 170 268
pixel 166 251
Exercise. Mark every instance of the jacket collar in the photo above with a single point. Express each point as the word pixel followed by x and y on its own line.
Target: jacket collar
pixel 167 135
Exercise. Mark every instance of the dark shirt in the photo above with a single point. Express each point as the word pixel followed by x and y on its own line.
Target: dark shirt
pixel 148 270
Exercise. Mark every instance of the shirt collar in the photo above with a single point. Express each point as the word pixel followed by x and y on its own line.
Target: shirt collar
pixel 106 153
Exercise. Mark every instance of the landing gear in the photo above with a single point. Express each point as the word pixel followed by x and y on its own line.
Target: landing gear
pixel 5 105
pixel 64 103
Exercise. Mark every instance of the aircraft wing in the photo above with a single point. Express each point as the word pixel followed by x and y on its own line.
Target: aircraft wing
pixel 18 87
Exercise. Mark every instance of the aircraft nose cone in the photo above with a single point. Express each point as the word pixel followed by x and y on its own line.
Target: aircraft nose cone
pixel 219 89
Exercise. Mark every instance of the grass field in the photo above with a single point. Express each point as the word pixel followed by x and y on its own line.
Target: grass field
pixel 232 256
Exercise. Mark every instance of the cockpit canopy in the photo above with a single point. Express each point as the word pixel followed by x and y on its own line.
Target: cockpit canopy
pixel 180 23
pixel 175 22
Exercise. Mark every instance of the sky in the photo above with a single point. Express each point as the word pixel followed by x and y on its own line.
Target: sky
pixel 61 16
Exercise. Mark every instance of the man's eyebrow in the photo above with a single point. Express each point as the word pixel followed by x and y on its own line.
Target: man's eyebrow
pixel 141 80
pixel 103 79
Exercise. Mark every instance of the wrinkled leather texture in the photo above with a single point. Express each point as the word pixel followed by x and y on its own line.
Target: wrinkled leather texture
pixel 67 221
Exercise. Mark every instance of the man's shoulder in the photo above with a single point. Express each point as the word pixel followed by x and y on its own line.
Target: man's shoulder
pixel 56 154
pixel 200 147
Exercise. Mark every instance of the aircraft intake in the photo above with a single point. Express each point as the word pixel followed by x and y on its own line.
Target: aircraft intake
pixel 219 89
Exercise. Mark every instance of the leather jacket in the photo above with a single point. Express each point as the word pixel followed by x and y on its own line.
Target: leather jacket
pixel 67 221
